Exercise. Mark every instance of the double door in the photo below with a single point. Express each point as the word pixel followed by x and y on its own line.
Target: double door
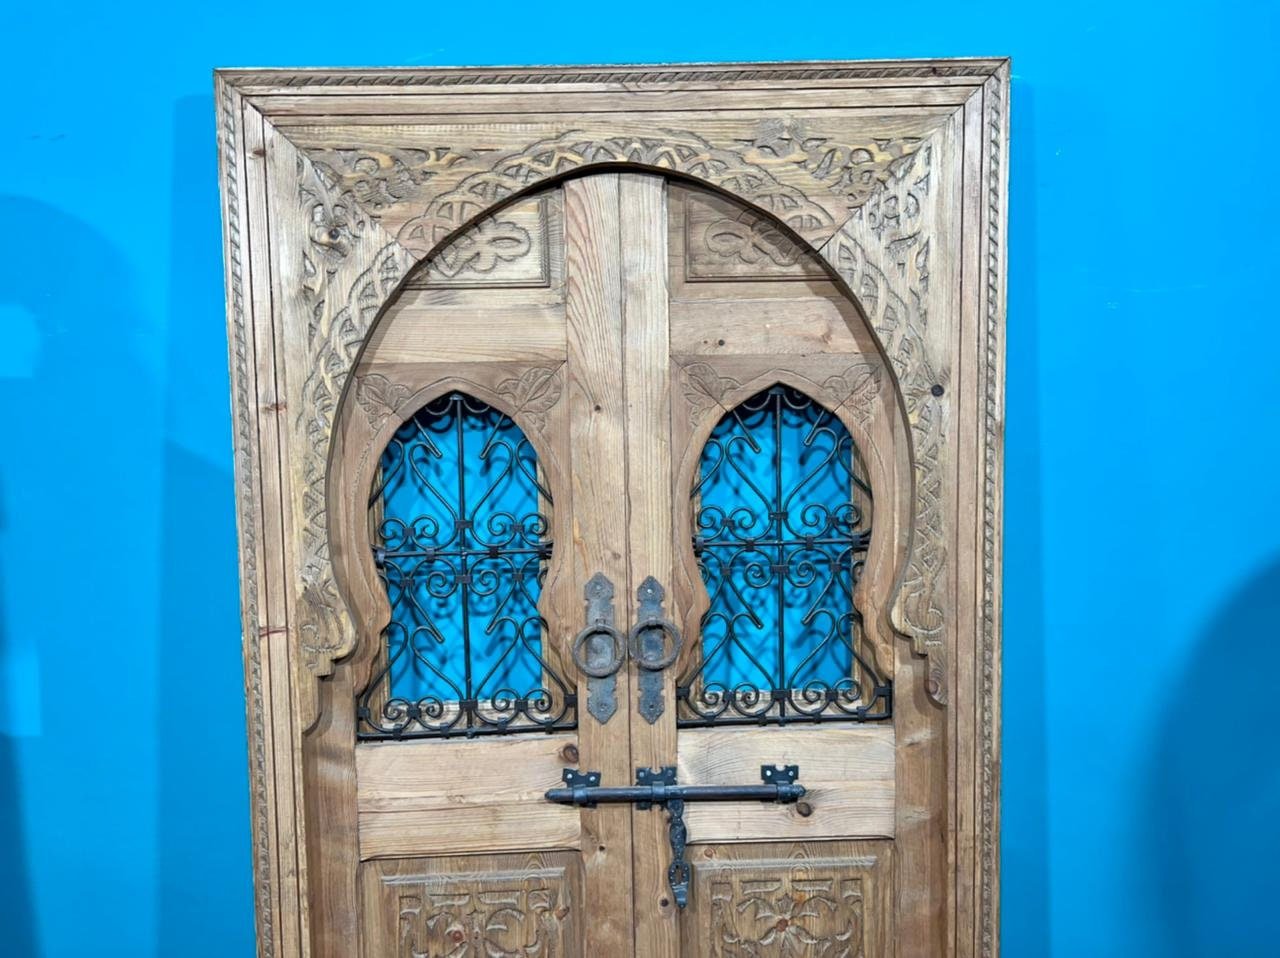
pixel 636 485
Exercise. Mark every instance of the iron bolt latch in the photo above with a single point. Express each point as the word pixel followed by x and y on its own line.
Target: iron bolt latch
pixel 778 784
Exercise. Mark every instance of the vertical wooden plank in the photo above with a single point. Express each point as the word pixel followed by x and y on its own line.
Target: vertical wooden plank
pixel 968 473
pixel 598 450
pixel 986 747
pixel 646 329
pixel 282 745
pixel 233 157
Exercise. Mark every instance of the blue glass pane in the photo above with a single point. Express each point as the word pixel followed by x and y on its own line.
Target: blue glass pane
pixel 463 547
pixel 781 537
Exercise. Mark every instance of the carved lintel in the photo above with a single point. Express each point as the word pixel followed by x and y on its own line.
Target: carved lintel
pixel 409 189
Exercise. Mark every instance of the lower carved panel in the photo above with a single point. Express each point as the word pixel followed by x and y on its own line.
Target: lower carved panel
pixel 496 906
pixel 811 900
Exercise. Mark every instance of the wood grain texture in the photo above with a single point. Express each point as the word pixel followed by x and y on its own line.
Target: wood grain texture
pixel 423 798
pixel 848 771
pixel 317 243
pixel 650 514
pixel 597 427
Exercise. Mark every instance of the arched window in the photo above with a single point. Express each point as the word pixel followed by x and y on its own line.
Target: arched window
pixel 462 541
pixel 783 522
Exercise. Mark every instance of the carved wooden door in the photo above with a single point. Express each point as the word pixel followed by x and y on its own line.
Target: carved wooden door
pixel 618 462
pixel 623 440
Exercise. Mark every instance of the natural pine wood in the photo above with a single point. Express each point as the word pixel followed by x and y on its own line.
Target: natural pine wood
pixel 595 311
pixel 650 514
pixel 391 235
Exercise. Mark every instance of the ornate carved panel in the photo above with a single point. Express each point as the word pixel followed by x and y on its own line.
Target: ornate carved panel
pixel 807 177
pixel 512 248
pixel 482 907
pixel 821 900
pixel 882 252
pixel 725 241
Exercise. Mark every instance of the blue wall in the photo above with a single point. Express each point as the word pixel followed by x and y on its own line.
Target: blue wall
pixel 1143 537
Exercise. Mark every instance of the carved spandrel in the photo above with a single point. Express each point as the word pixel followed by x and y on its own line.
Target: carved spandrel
pixel 883 255
pixel 337 270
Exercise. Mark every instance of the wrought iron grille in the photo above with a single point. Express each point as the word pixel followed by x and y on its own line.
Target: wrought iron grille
pixel 462 542
pixel 783 526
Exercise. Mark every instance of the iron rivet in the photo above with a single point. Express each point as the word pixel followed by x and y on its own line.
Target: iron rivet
pixel 937 389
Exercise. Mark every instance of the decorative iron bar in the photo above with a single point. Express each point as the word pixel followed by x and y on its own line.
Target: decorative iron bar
pixel 462 546
pixel 783 527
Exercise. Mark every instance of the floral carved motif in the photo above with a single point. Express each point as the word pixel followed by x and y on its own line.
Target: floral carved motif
pixel 492 916
pixel 379 180
pixel 337 329
pixel 679 151
pixel 796 915
pixel 858 385
pixel 750 240
pixel 533 393
pixel 380 397
pixel 705 388
pixel 483 248
pixel 854 171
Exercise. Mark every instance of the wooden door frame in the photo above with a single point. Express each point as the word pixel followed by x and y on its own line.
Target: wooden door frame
pixel 328 203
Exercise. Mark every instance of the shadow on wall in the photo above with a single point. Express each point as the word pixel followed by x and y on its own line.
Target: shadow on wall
pixel 70 338
pixel 204 894
pixel 78 578
pixel 1214 804
pixel 1025 847
pixel 15 880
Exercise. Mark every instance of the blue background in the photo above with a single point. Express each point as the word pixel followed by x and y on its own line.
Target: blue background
pixel 1142 535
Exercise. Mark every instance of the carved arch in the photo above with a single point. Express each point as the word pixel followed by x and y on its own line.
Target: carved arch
pixel 860 395
pixel 354 268
pixel 381 408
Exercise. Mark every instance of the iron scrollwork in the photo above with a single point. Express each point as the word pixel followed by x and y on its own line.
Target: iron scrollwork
pixel 462 545
pixel 782 532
